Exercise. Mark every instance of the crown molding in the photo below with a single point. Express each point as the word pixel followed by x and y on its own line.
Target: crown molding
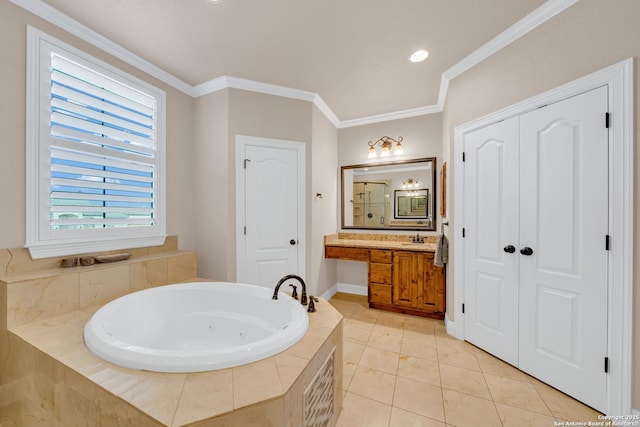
pixel 324 108
pixel 542 14
pixel 539 16
pixel 59 19
pixel 210 86
pixel 395 115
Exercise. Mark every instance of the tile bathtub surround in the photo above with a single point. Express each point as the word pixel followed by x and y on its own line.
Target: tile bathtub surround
pixel 402 370
pixel 18 260
pixel 41 294
pixel 66 385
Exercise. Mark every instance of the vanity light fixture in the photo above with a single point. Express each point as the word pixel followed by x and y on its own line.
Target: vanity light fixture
pixel 386 146
pixel 410 183
pixel 419 55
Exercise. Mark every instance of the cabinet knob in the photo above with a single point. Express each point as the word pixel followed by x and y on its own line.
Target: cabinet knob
pixel 510 249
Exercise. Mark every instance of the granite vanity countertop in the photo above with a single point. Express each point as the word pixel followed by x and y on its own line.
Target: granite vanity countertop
pixel 381 241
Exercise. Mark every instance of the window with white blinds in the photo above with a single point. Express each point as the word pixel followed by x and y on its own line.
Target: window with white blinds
pixel 98 154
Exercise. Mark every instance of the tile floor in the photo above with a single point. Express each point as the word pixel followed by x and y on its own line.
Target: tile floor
pixel 405 371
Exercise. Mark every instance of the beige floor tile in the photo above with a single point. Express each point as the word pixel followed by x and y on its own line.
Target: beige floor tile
pixel 463 410
pixel 362 324
pixel 516 393
pixel 352 352
pixel 425 358
pixel 424 348
pixel 348 369
pixel 381 360
pixel 419 398
pixel 358 411
pixel 344 307
pixel 355 334
pixel 365 315
pixel 402 418
pixel 376 385
pixel 464 381
pixel 391 319
pixel 494 366
pixel 423 370
pixel 418 327
pixel 564 407
pixel 385 340
pixel 456 354
pixel 388 329
pixel 516 417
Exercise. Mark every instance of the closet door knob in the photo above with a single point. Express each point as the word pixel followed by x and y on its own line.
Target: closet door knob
pixel 292 242
pixel 526 251
pixel 510 249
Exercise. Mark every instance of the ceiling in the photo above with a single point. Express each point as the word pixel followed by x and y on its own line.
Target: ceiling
pixel 353 53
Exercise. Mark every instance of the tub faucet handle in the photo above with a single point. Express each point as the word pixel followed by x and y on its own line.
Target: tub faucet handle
pixel 294 294
pixel 312 304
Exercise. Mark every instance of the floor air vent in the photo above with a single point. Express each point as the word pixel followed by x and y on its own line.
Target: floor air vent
pixel 318 397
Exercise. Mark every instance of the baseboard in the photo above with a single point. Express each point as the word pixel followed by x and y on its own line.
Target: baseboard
pixel 452 327
pixel 346 288
pixel 349 288
pixel 331 292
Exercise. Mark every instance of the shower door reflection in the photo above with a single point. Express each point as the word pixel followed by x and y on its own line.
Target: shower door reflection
pixel 371 203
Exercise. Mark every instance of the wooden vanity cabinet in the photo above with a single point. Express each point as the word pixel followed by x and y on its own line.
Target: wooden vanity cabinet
pixel 418 284
pixel 380 276
pixel 403 281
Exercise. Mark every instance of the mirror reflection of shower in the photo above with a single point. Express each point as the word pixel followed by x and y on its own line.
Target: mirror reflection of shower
pixel 371 203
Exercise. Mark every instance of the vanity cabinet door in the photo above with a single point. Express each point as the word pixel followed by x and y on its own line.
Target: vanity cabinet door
pixel 405 276
pixel 431 290
pixel 380 276
pixel 417 283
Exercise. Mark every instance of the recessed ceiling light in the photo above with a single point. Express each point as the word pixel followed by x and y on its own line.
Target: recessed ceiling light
pixel 215 1
pixel 419 55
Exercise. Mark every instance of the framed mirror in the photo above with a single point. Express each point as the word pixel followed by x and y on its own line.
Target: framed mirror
pixel 397 195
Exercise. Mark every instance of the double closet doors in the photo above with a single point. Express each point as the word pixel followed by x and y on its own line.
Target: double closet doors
pixel 536 225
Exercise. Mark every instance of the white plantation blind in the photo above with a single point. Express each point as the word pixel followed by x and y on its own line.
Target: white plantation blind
pixel 95 164
pixel 102 150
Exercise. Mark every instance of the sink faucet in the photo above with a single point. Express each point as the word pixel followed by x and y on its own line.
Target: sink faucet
pixel 303 297
pixel 418 239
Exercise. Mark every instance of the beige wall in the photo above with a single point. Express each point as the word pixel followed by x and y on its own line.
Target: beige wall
pixel 180 108
pixel 588 36
pixel 324 158
pixel 212 171
pixel 422 138
pixel 220 117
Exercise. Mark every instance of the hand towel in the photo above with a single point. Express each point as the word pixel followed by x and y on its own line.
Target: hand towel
pixel 442 251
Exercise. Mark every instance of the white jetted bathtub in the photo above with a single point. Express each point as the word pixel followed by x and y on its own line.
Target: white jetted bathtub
pixel 193 327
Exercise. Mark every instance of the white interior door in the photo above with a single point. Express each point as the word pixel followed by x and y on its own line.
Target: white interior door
pixel 491 229
pixel 564 221
pixel 271 213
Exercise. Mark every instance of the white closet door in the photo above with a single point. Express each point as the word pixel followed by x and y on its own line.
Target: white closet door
pixel 491 233
pixel 564 221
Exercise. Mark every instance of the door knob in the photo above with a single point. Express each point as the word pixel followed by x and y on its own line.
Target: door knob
pixel 292 242
pixel 510 249
pixel 526 251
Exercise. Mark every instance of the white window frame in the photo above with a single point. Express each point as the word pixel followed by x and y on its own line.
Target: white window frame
pixel 41 240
